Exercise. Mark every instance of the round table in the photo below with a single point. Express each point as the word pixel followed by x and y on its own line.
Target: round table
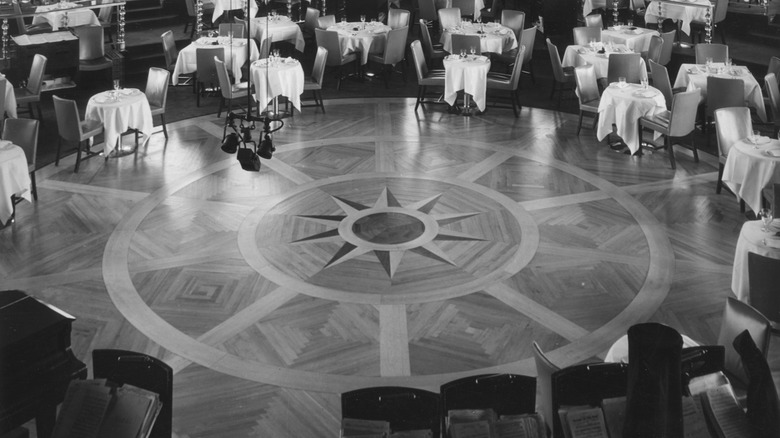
pixel 14 178
pixel 359 37
pixel 623 107
pixel 468 74
pixel 495 38
pixel 618 352
pixel 752 239
pixel 282 77
pixel 749 168
pixel 636 39
pixel 576 55
pixel 220 6
pixel 129 110
pixel 279 28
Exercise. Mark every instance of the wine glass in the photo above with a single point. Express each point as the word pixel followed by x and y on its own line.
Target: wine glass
pixel 765 214
pixel 462 53
pixel 117 87
pixel 753 137
pixel 363 20
pixel 473 51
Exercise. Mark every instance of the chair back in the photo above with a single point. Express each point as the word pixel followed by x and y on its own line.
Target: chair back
pixel 732 124
pixel 3 85
pixel 720 10
pixel 68 123
pixel 514 20
pixel 427 10
pixel 398 18
pixel 264 51
pixel 584 35
pixel 35 80
pixel 404 408
pixel 587 83
pixel 466 7
pixel 395 47
pixel 764 296
pixel 204 58
pixel 448 18
pixel 655 48
pixel 312 19
pixel 718 52
pixel 726 92
pixel 90 42
pixel 466 42
pixel 237 30
pixel 330 40
pixel 190 7
pixel 326 21
pixel 517 67
pixel 661 81
pixel 427 42
pixel 773 92
pixel 738 317
pixel 666 48
pixel 628 65
pixel 594 20
pixel 318 71
pixel 420 66
pixel 224 79
pixel 104 15
pixel 23 133
pixel 555 60
pixel 169 49
pixel 774 66
pixel 157 87
pixel 143 371
pixel 683 117
pixel 544 371
pixel 527 40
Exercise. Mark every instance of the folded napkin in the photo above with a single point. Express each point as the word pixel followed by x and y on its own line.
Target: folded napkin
pixel 772 242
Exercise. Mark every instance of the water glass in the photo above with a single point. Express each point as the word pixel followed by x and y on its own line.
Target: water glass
pixel 766 216
pixel 622 81
pixel 462 53
pixel 753 137
pixel 373 21
pixel 116 84
pixel 644 84
pixel 630 23
pixel 343 21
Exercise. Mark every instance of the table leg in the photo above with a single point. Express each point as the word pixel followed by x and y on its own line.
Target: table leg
pixel 466 104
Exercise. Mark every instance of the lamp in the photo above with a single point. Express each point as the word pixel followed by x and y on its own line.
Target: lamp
pixel 230 143
pixel 266 148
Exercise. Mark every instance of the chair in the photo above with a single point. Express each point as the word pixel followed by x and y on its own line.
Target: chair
pixel 311 22
pixel 395 47
pixel 661 81
pixel 398 18
pixel 24 133
pixel 679 122
pixel 544 371
pixel 427 10
pixel 737 317
pixel 588 93
pixel 466 43
pixel 774 66
pixel 313 82
pixel 104 18
pixel 514 20
pixel 72 129
pixel 527 40
pixel 330 40
pixel 586 385
pixel 727 93
pixel 143 371
pixel 505 394
pixel 206 73
pixel 207 16
pixel 448 18
pixel 627 65
pixel 466 8
pixel 718 15
pixel 763 277
pixel 763 406
pixel 157 93
pixel 718 52
pixel 773 92
pixel 493 12
pixel 667 47
pixel 264 49
pixel 653 51
pixel 563 77
pixel 229 91
pixel 237 30
pixel 508 83
pixel 425 78
pixel 92 55
pixel 594 20
pixel 429 50
pixel 732 124
pixel 404 408
pixel 31 94
pixel 326 21
pixel 584 35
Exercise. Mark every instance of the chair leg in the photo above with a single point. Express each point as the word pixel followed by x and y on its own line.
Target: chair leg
pixel 34 186
pixel 695 151
pixel 579 125
pixel 552 91
pixel 719 186
pixel 165 129
pixel 669 148
pixel 319 96
pixel 57 157
pixel 78 158
pixel 221 104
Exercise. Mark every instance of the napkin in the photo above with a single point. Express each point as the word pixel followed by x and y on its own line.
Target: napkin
pixel 5 144
pixel 772 243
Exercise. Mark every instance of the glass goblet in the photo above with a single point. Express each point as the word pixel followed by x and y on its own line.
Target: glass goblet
pixel 765 214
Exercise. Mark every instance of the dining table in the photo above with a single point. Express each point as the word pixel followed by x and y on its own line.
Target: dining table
pixel 467 73
pixel 494 37
pixel 598 56
pixel 120 111
pixel 235 55
pixel 221 6
pixel 365 38
pixel 684 11
pixel 752 239
pixel 278 28
pixel 693 76
pixel 55 15
pixel 14 178
pixel 479 5
pixel 589 5
pixel 274 77
pixel 10 98
pixel 622 106
pixel 750 167
pixel 636 39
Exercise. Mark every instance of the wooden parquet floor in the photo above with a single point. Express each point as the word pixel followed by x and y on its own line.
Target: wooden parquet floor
pixel 377 247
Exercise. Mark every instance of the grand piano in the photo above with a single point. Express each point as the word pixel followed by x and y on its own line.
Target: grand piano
pixel 36 361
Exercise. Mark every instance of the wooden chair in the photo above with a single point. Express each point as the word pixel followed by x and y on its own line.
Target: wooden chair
pixel 432 54
pixel 508 84
pixel 206 72
pixel 330 40
pixel 104 16
pixel 427 10
pixel 653 52
pixel 527 40
pixel 395 48
pixel 73 129
pixel 404 408
pixel 31 94
pixel 514 20
pixel 448 18
pixel 763 274
pixel 738 317
pixel 718 52
pixel 24 133
pixel 313 82
pixel 774 66
pixel 584 35
pixel 563 77
pixel 732 124
pixel 679 122
pixel 627 65
pixel 544 371
pixel 157 93
pixel 466 43
pixel 425 77
pixel 588 93
pixel 229 91
pixel 311 22
pixel 594 20
pixel 398 18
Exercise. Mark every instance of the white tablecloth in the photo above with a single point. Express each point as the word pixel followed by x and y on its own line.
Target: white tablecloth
pixel 130 110
pixel 691 77
pixel 657 11
pixel 751 239
pixel 220 6
pixel 280 29
pixel 14 178
pixel 575 56
pixel 748 170
pixel 370 39
pixel 589 5
pixel 80 17
pixel 478 6
pixel 497 38
pixel 469 75
pixel 10 98
pixel 277 79
pixel 636 40
pixel 235 56
pixel 623 107
pixel 618 352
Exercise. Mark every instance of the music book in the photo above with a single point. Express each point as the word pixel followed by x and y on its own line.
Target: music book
pixel 727 418
pixel 359 428
pixel 694 422
pixel 614 415
pixel 583 422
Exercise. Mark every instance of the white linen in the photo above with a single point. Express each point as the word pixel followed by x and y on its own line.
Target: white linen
pixel 623 107
pixel 10 98
pixel 657 11
pixel 575 56
pixel 636 40
pixel 220 6
pixel 618 352
pixel 469 75
pixel 370 38
pixel 749 169
pixel 279 29
pixel 235 56
pixel 479 5
pixel 80 17
pixel 691 77
pixel 751 239
pixel 129 110
pixel 497 38
pixel 281 78
pixel 14 178
pixel 589 5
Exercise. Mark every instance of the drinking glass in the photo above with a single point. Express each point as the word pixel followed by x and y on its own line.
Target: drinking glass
pixel 363 20
pixel 373 21
pixel 343 21
pixel 753 137
pixel 116 85
pixel 644 84
pixel 472 50
pixel 765 214
pixel 462 53
pixel 622 81
pixel 630 23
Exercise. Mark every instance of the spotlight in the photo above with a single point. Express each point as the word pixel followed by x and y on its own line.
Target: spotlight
pixel 249 160
pixel 266 148
pixel 230 143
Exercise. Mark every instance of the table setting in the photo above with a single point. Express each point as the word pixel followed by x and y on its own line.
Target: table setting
pixel 59 15
pixel 752 165
pixel 760 237
pixel 683 11
pixel 636 39
pixel 14 178
pixel 597 54
pixel 494 37
pixel 622 104
pixel 119 110
pixel 278 28
pixel 221 6
pixel 467 73
pixel 276 76
pixel 235 50
pixel 361 37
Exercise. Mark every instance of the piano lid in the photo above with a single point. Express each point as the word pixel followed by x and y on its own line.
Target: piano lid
pixel 22 317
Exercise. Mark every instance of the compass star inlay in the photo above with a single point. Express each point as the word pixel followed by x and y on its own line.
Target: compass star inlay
pixel 389 230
